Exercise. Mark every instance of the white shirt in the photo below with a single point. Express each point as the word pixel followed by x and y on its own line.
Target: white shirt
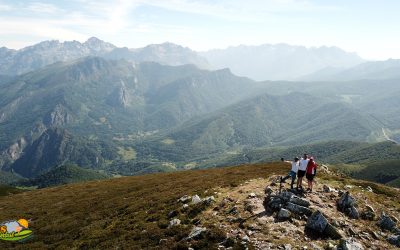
pixel 295 166
pixel 303 164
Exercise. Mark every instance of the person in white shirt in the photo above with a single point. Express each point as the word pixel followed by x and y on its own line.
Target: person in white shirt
pixel 293 172
pixel 302 170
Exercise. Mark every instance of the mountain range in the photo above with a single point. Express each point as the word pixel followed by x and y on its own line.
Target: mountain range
pixel 263 62
pixel 126 111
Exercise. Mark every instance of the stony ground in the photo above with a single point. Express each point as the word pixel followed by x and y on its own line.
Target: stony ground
pixel 239 211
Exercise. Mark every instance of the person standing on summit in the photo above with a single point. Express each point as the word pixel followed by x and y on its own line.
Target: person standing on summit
pixel 302 171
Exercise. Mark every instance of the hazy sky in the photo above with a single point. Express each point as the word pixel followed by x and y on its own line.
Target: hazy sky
pixel 369 27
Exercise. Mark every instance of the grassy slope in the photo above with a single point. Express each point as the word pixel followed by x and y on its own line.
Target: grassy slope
pixel 131 212
pixel 116 212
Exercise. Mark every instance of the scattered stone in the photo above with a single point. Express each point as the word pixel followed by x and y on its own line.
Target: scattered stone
pixel 252 195
pixel 297 209
pixel 174 222
pixel 386 222
pixel 346 204
pixel 369 189
pixel 209 200
pixel 287 247
pixel 394 240
pixel 348 187
pixel 286 195
pixel 233 210
pixel 299 201
pixel 352 212
pixel 196 232
pixel 273 203
pixel 172 214
pixel 374 235
pixel 268 190
pixel 317 222
pixel 283 214
pixel 246 238
pixel 368 213
pixel 352 232
pixel 185 199
pixel 350 244
pixel 185 206
pixel 330 246
pixel 333 232
pixel 273 184
pixel 327 189
pixel 196 199
pixel 249 207
pixel 163 241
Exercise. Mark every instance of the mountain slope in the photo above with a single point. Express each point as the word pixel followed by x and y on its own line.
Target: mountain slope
pixel 265 120
pixel 280 61
pixel 136 211
pixel 57 147
pixel 379 70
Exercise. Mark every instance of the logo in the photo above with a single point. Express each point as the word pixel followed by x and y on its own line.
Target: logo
pixel 15 230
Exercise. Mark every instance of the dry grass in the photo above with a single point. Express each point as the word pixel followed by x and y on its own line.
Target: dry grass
pixel 129 212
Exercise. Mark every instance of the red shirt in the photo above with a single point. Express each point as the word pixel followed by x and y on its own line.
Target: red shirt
pixel 311 167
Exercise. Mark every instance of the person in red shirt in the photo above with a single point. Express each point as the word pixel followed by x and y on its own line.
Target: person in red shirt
pixel 310 173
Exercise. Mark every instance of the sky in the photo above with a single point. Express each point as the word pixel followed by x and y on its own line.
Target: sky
pixel 367 27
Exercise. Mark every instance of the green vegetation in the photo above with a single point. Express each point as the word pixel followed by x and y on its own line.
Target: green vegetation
pixel 386 172
pixel 7 190
pixel 64 175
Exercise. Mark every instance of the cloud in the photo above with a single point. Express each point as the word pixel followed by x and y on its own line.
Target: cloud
pixel 5 7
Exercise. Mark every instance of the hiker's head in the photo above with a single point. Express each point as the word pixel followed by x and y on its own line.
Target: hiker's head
pixel 296 159
pixel 282 159
pixel 312 159
pixel 305 156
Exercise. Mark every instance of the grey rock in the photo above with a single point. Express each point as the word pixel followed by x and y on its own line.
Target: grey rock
pixel 273 203
pixel 246 238
pixel 346 201
pixel 196 232
pixel 268 190
pixel 185 199
pixel 368 213
pixel 172 214
pixel 369 189
pixel 209 200
pixel 332 232
pixel 297 209
pixel 299 201
pixel 252 195
pixel 394 240
pixel 233 210
pixel 327 189
pixel 284 214
pixel 196 199
pixel 350 244
pixel 286 195
pixel 174 222
pixel 317 222
pixel 185 206
pixel 386 222
pixel 352 212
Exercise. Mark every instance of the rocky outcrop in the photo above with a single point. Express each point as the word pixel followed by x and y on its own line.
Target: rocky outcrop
pixel 58 117
pixel 347 204
pixel 196 233
pixel 318 223
pixel 368 213
pixel 386 222
pixel 350 244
